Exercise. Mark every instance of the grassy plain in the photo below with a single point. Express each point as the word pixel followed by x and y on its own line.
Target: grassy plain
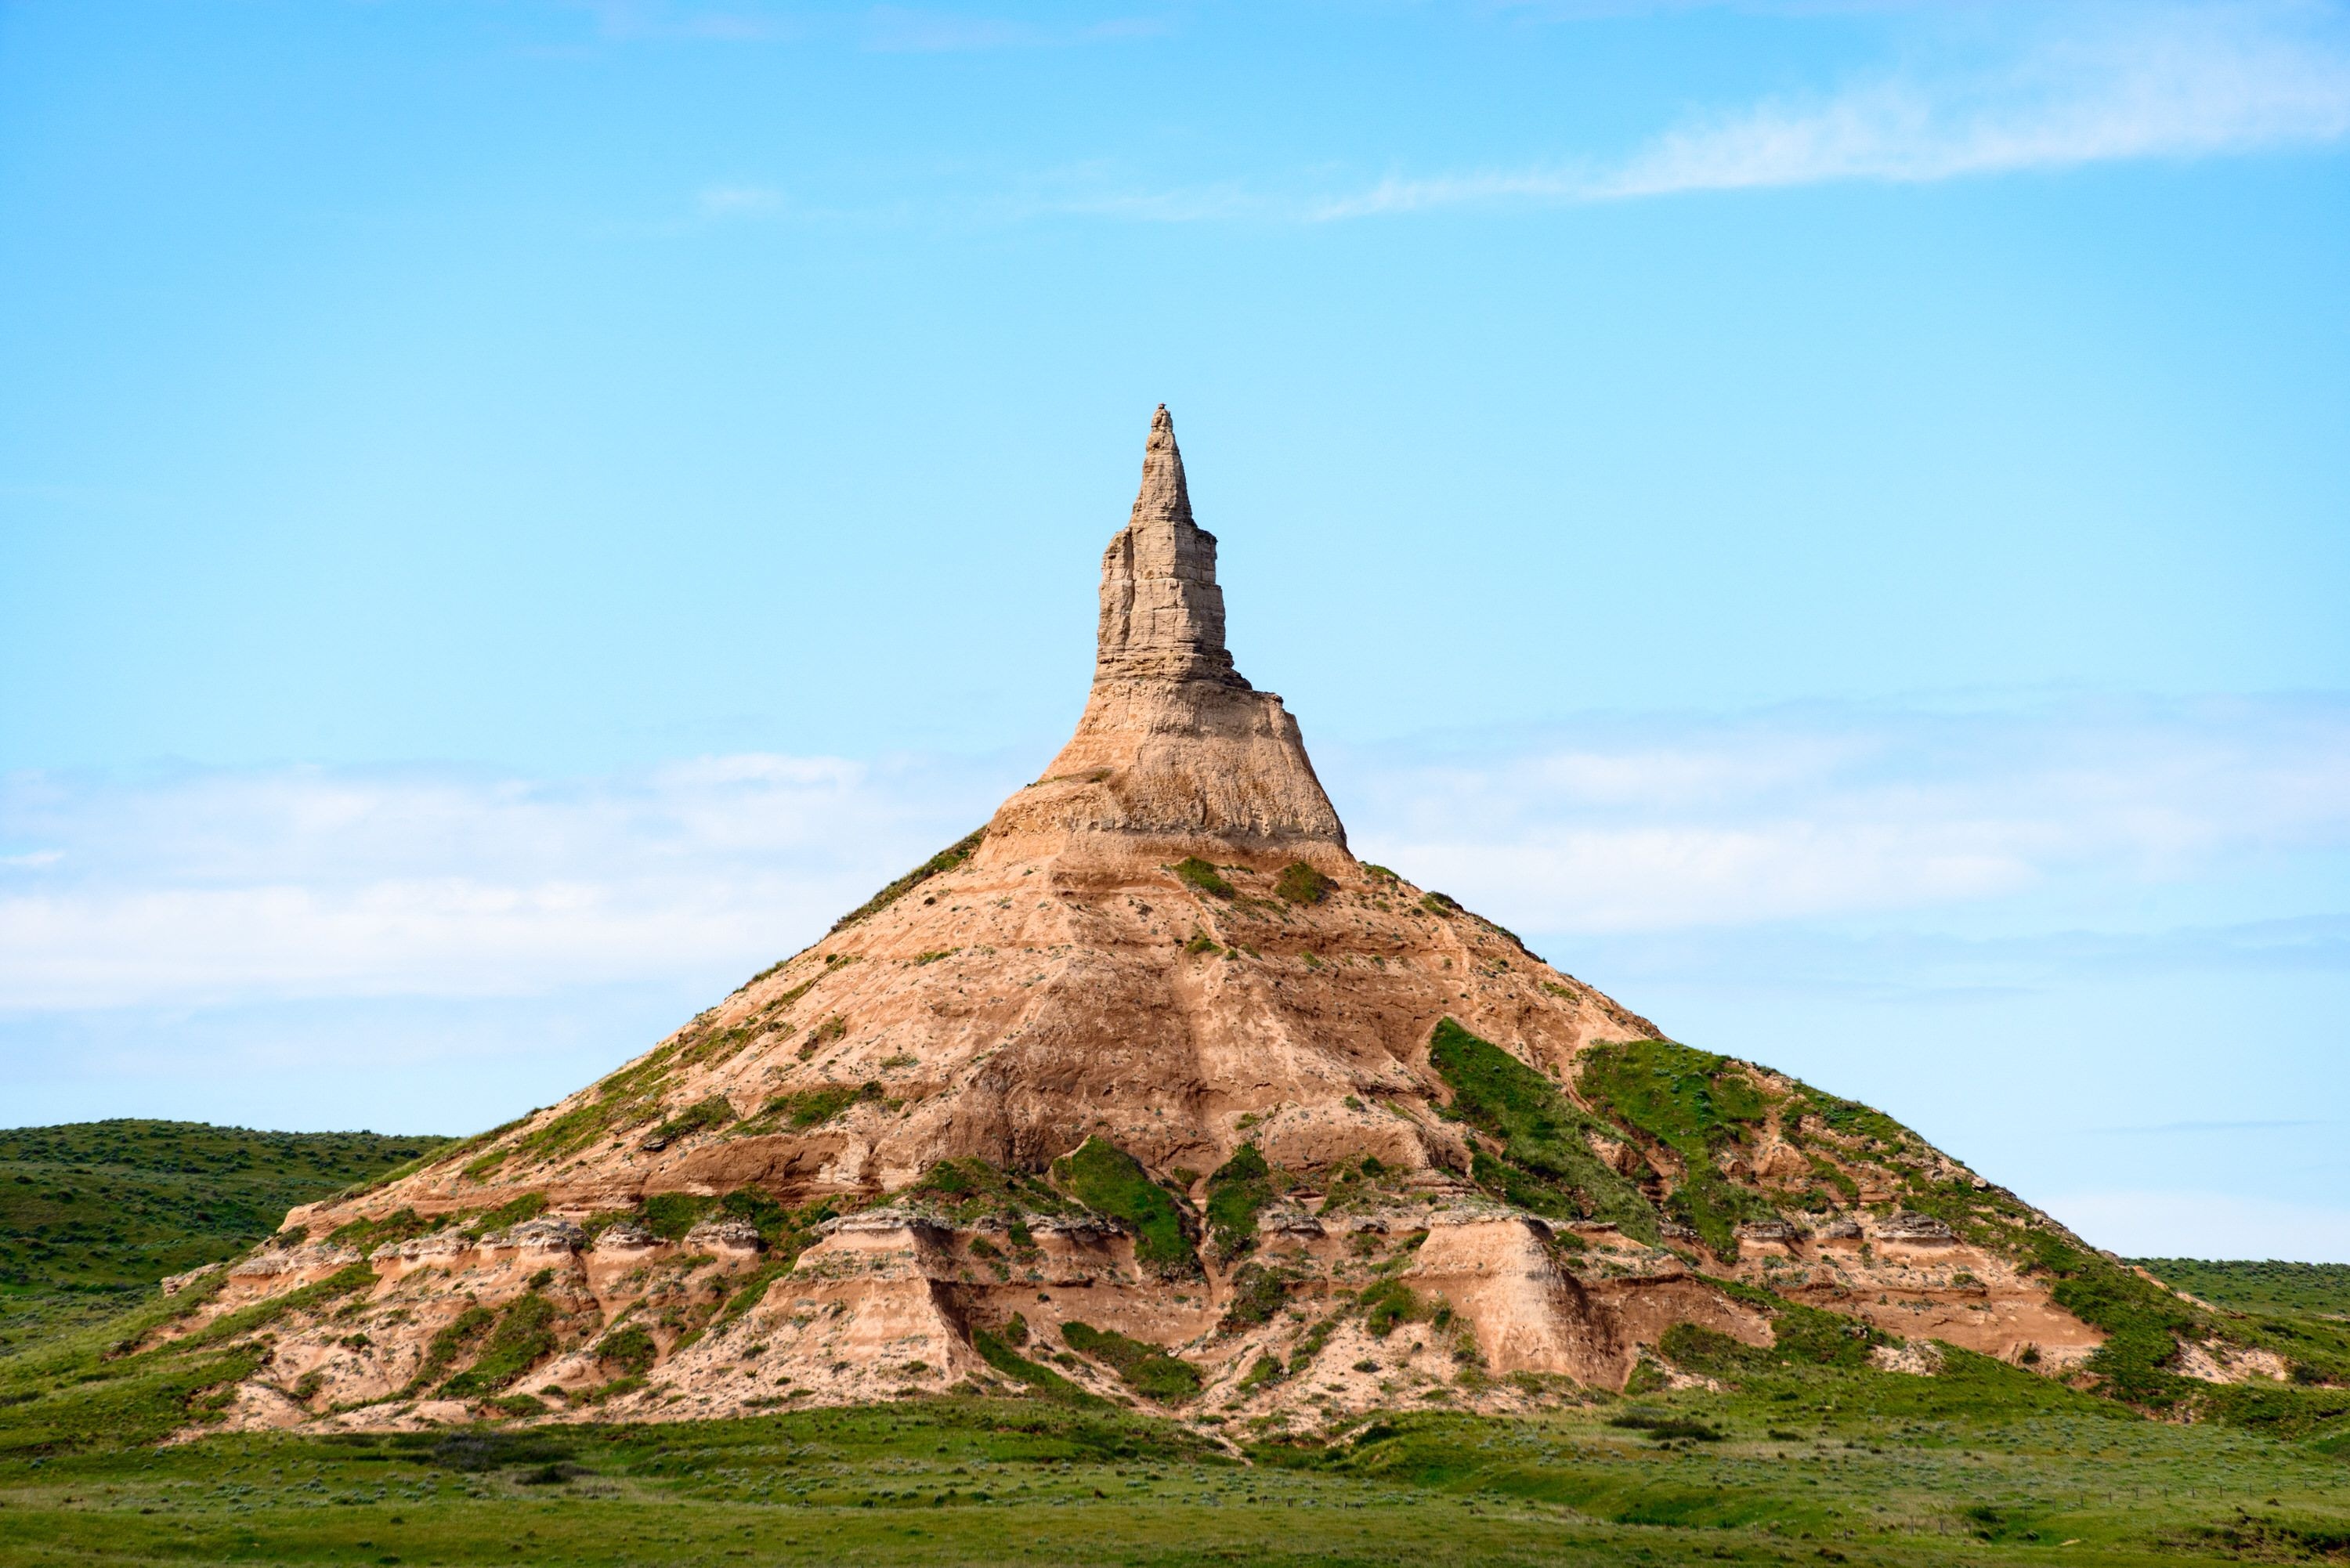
pixel 1983 1463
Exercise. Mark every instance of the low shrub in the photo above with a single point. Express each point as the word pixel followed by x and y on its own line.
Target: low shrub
pixel 1388 1303
pixel 1258 1293
pixel 1662 1428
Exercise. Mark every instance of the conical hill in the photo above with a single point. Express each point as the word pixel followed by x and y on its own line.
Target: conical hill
pixel 1149 1090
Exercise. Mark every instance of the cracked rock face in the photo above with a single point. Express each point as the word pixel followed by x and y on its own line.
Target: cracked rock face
pixel 851 1179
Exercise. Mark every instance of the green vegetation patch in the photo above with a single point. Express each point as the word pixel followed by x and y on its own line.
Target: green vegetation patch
pixel 1198 874
pixel 1146 1369
pixel 714 1111
pixel 997 1351
pixel 1258 1293
pixel 400 1225
pixel 1241 1187
pixel 1108 1180
pixel 965 1190
pixel 1301 884
pixel 627 1098
pixel 670 1215
pixel 1389 1304
pixel 513 1211
pixel 1695 1102
pixel 805 1109
pixel 524 1337
pixel 944 861
pixel 343 1282
pixel 629 1347
pixel 1546 1165
pixel 452 1340
pixel 1873 1127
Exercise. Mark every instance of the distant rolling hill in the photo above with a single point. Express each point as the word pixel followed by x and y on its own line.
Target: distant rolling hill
pixel 2277 1288
pixel 92 1209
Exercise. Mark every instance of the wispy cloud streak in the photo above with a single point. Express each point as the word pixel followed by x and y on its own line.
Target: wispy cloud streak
pixel 2142 83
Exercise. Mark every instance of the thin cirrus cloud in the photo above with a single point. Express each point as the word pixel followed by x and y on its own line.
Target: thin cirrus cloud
pixel 2153 82
pixel 225 888
pixel 736 201
pixel 894 29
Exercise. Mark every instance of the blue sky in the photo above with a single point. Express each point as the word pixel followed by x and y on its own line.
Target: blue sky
pixel 1831 519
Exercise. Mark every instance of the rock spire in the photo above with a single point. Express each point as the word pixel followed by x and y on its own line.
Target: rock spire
pixel 1162 615
pixel 1174 747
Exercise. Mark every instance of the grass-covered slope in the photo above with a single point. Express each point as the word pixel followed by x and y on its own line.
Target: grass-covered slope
pixel 100 1208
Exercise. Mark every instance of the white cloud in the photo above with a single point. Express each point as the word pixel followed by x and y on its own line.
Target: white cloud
pixel 733 201
pixel 903 30
pixel 2092 85
pixel 1638 826
pixel 224 887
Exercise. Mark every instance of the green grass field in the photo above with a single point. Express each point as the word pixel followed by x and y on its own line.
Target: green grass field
pixel 1896 1474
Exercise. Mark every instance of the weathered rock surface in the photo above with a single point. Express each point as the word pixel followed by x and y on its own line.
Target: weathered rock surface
pixel 857 1176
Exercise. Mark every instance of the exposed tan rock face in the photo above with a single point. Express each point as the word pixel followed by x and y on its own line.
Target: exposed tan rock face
pixel 1073 977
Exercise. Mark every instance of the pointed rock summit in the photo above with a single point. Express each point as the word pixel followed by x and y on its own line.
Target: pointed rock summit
pixel 1175 749
pixel 1162 615
pixel 1149 1078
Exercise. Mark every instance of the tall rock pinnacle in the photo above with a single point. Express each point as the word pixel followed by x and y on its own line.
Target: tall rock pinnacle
pixel 1175 751
pixel 1162 615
